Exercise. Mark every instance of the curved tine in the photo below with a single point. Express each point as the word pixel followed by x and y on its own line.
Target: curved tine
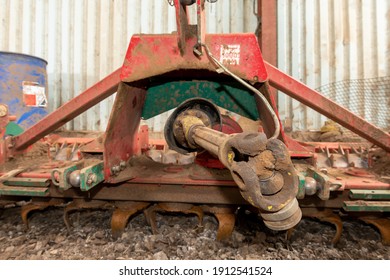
pixel 336 221
pixel 119 221
pixel 198 211
pixel 121 216
pixel 81 204
pixel 26 209
pixel 226 222
pixel 328 216
pixel 382 224
pixel 150 216
pixel 71 207
pixel 184 208
pixel 289 233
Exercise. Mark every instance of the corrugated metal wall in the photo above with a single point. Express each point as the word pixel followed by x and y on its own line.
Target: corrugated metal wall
pixel 85 40
pixel 322 42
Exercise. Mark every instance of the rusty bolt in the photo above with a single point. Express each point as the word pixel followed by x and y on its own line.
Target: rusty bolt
pixel 115 169
pixel 92 178
pixel 122 165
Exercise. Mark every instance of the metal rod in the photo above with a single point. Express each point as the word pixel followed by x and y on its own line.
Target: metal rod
pixel 327 107
pixel 267 33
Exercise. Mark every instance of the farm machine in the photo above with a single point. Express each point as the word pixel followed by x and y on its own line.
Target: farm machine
pixel 207 163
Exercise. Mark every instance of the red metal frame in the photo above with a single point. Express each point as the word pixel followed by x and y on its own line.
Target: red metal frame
pixel 267 33
pixel 121 141
pixel 69 110
pixel 154 55
pixel 327 107
pixel 62 115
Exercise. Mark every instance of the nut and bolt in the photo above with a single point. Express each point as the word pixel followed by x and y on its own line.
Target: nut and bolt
pixel 115 169
pixel 122 165
pixel 92 178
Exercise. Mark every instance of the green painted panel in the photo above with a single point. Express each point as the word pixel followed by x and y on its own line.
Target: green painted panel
pixel 23 191
pixel 91 176
pixel 27 182
pixel 366 206
pixel 13 129
pixel 369 194
pixel 231 96
pixel 301 186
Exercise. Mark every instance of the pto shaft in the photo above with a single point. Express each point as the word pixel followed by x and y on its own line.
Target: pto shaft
pixel 261 168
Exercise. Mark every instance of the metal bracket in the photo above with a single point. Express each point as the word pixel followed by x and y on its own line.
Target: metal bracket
pixel 370 194
pixel 301 185
pixel 91 176
pixel 59 176
pixel 10 185
pixel 325 184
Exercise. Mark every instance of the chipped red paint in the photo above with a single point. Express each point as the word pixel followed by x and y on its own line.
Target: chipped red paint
pixel 267 32
pixel 121 140
pixel 153 55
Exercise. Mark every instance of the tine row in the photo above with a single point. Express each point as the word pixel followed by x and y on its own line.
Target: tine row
pixel 226 216
pixel 342 157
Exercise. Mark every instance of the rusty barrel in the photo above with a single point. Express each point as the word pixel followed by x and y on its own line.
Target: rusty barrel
pixel 23 87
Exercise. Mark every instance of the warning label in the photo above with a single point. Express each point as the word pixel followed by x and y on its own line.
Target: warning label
pixel 34 94
pixel 230 54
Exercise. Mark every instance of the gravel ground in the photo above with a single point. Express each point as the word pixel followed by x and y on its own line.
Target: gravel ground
pixel 179 238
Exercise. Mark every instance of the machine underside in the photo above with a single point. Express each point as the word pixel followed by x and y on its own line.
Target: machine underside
pixel 209 161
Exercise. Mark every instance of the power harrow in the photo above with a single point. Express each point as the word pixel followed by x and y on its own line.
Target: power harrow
pixel 207 163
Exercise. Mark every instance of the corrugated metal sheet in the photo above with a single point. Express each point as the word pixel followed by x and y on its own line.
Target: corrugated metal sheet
pixel 85 40
pixel 322 42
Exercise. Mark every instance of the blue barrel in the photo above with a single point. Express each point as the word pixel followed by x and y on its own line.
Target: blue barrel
pixel 23 87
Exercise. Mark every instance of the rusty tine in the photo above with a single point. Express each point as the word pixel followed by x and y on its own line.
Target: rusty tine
pixel 122 214
pixel 382 224
pixel 26 209
pixel 37 205
pixel 328 216
pixel 226 222
pixel 80 204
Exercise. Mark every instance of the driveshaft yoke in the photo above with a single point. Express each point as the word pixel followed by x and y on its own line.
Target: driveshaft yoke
pixel 261 167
